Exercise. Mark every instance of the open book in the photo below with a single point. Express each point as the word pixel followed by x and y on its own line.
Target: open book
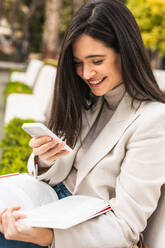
pixel 41 205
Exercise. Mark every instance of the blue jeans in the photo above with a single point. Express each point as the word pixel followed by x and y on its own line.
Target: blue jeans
pixel 62 192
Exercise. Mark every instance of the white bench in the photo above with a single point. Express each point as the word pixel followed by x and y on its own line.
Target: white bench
pixel 32 106
pixel 160 77
pixel 30 75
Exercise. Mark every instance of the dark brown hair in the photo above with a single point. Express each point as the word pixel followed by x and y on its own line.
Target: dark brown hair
pixel 112 23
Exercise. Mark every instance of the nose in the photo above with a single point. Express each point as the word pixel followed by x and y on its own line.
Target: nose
pixel 88 72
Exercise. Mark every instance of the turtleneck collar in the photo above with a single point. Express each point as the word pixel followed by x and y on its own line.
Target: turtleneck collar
pixel 114 96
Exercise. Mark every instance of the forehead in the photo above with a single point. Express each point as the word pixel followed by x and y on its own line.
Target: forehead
pixel 85 45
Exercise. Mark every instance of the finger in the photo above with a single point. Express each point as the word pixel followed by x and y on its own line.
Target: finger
pixel 8 223
pixel 45 147
pixel 19 216
pixel 51 152
pixel 1 213
pixel 58 155
pixel 22 228
pixel 9 220
pixel 1 226
pixel 38 141
pixel 8 212
pixel 12 209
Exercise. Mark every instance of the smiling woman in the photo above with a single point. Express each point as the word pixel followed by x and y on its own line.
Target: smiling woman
pixel 108 107
pixel 99 66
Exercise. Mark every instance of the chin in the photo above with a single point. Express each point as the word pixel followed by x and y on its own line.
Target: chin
pixel 101 92
pixel 98 93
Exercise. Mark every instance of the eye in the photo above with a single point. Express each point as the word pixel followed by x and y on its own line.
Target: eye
pixel 97 62
pixel 77 63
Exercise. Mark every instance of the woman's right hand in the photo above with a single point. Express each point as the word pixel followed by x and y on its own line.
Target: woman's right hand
pixel 14 230
pixel 47 148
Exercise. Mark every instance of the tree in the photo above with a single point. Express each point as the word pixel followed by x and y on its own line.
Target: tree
pixel 29 19
pixel 51 28
pixel 76 4
pixel 1 8
pixel 57 17
pixel 150 17
pixel 22 15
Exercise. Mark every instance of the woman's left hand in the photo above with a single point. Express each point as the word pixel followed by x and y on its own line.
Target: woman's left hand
pixel 14 230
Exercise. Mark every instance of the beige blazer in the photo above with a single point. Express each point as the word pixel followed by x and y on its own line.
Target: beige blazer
pixel 154 234
pixel 125 166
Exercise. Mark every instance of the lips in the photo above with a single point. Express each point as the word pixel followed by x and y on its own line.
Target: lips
pixel 96 83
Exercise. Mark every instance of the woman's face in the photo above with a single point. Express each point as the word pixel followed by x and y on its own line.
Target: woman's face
pixel 99 66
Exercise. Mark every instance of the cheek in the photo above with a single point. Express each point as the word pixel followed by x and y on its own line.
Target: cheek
pixel 117 64
pixel 79 71
pixel 115 67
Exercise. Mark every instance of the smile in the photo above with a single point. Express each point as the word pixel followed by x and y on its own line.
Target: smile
pixel 96 83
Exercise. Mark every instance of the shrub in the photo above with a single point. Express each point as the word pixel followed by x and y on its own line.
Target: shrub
pixel 52 62
pixel 15 147
pixel 15 70
pixel 16 87
pixel 19 87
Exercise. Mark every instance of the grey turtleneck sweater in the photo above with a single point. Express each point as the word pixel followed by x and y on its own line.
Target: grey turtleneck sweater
pixel 110 103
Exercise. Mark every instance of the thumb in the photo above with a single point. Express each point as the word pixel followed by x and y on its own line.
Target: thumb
pixel 21 227
pixel 1 213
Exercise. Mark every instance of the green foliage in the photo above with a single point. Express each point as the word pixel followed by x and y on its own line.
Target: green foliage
pixel 66 16
pixel 52 62
pixel 14 70
pixel 150 17
pixel 26 18
pixel 16 87
pixel 67 13
pixel 36 30
pixel 15 147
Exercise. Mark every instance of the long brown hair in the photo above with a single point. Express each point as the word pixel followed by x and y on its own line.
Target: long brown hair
pixel 112 23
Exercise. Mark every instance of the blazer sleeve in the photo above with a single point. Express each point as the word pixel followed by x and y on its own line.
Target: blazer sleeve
pixel 53 173
pixel 138 188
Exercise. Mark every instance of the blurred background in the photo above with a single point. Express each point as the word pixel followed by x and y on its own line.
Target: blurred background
pixel 31 32
pixel 33 27
pixel 36 27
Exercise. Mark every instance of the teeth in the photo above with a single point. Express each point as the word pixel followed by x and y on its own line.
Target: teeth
pixel 95 82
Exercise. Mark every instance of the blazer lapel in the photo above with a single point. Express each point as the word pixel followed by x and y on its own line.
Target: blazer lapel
pixel 121 119
pixel 88 120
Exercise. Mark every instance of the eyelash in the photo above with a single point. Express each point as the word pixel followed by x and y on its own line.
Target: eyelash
pixel 96 62
pixel 77 63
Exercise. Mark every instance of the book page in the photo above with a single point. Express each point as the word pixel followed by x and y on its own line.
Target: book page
pixel 66 212
pixel 40 203
pixel 25 191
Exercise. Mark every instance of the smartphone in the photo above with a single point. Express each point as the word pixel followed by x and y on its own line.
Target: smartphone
pixel 37 129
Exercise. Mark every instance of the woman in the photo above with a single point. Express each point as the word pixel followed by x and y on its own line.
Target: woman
pixel 109 108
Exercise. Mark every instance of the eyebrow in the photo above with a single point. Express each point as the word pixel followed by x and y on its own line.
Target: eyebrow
pixel 92 56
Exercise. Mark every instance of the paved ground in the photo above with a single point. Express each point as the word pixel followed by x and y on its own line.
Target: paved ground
pixel 11 65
